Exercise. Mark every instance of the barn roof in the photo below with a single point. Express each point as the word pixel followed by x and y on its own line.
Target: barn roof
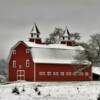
pixel 55 53
pixel 55 46
pixel 96 70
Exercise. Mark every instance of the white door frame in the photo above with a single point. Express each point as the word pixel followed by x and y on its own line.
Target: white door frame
pixel 20 75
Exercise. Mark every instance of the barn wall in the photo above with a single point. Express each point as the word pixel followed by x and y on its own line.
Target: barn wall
pixel 20 58
pixel 67 69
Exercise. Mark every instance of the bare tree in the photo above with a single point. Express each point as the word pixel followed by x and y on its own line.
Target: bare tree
pixel 3 67
pixel 91 52
pixel 94 44
pixel 59 34
pixel 83 59
pixel 75 36
pixel 91 49
pixel 56 36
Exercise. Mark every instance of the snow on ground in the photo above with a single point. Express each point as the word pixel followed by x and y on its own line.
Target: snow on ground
pixel 51 91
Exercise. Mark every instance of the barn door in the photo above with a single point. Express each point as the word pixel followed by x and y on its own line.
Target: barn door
pixel 20 74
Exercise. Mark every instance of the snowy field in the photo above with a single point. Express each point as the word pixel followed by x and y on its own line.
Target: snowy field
pixel 51 91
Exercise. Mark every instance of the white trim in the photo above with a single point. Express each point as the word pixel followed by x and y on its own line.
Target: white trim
pixel 34 72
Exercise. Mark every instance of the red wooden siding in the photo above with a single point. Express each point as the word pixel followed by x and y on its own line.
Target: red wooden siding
pixel 60 68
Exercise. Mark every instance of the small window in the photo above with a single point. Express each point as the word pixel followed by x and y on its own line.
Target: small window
pixel 68 74
pixel 20 66
pixel 27 50
pixel 14 51
pixel 27 63
pixel 14 63
pixel 62 73
pixel 55 73
pixel 86 73
pixel 49 73
pixel 41 73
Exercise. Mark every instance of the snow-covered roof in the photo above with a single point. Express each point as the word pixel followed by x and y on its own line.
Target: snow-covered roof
pixel 54 53
pixel 96 70
pixel 56 46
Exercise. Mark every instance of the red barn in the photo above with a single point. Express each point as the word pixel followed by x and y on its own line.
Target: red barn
pixel 35 61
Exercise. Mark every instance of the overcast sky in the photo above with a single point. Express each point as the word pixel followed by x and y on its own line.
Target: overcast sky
pixel 18 16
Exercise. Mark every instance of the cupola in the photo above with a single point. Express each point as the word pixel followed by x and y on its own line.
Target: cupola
pixel 35 35
pixel 67 38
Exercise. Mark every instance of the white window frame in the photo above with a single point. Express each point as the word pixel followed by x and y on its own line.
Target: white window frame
pixel 86 73
pixel 14 51
pixel 66 73
pixel 49 73
pixel 62 73
pixel 69 73
pixel 55 73
pixel 41 73
pixel 27 63
pixel 27 50
pixel 14 63
pixel 20 75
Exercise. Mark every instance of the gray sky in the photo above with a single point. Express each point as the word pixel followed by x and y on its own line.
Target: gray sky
pixel 18 16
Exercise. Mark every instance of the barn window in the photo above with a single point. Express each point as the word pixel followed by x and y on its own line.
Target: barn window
pixel 41 73
pixel 62 73
pixel 68 73
pixel 14 51
pixel 86 73
pixel 27 63
pixel 55 73
pixel 20 74
pixel 27 50
pixel 49 73
pixel 14 63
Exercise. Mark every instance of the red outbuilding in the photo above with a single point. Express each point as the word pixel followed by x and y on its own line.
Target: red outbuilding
pixel 36 61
